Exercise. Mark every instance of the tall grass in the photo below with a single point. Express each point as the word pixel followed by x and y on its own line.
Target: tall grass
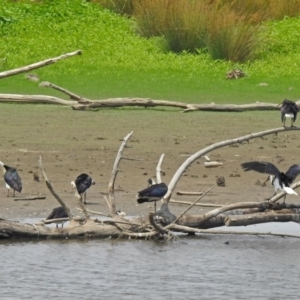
pixel 123 7
pixel 181 23
pixel 228 29
pixel 230 35
pixel 118 63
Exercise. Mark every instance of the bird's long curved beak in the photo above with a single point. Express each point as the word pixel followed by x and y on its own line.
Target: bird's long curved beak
pixel 279 104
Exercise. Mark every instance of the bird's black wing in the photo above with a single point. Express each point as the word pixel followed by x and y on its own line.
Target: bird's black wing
pixel 57 213
pixel 289 106
pixel 261 167
pixel 292 173
pixel 13 179
pixel 155 190
pixel 83 182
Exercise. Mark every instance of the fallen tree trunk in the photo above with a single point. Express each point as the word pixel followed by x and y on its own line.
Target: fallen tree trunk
pixel 38 64
pixel 261 218
pixel 35 99
pixel 162 223
pixel 83 103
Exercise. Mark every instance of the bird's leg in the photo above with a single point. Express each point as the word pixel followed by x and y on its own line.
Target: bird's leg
pixel 84 197
pixel 284 198
pixel 264 183
pixel 56 225
pixel 155 207
pixel 7 193
pixel 14 193
pixel 268 199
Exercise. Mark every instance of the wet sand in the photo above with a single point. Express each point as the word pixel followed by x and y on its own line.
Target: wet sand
pixel 72 142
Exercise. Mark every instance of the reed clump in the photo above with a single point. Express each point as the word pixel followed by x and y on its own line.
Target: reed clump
pixel 226 29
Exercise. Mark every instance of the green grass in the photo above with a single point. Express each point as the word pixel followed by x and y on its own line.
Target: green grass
pixel 118 63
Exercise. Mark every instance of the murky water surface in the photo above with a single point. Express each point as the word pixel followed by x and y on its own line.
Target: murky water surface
pixel 201 267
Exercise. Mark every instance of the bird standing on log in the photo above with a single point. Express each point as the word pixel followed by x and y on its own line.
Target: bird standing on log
pixel 280 181
pixel 289 109
pixel 58 213
pixel 82 183
pixel 152 193
pixel 12 179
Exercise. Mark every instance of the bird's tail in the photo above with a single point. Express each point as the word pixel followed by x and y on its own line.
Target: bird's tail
pixel 142 200
pixel 289 190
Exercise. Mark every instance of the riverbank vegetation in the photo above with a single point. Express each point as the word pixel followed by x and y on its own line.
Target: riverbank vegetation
pixel 122 57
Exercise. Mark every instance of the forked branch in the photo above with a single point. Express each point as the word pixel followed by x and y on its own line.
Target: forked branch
pixel 111 184
pixel 215 146
pixel 62 203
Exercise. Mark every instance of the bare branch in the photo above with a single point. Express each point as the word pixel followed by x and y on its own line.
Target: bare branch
pixel 210 231
pixel 157 227
pixel 217 211
pixel 95 212
pixel 199 198
pixel 197 204
pixel 30 198
pixel 114 175
pixel 82 206
pixel 215 146
pixel 55 220
pixel 183 193
pixel 62 203
pixel 71 94
pixel 244 220
pixel 158 169
pixel 38 64
pixel 35 99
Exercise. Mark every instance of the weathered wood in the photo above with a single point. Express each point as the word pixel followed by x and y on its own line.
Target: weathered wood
pixel 192 204
pixel 49 185
pixel 88 104
pixel 183 193
pixel 39 64
pixel 35 99
pixel 158 168
pixel 31 198
pixel 197 204
pixel 186 229
pixel 212 164
pixel 58 220
pixel 261 218
pixel 72 95
pixel 111 184
pixel 215 146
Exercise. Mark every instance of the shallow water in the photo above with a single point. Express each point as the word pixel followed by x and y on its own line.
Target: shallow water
pixel 200 267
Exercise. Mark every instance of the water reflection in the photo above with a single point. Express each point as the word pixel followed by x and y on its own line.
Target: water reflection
pixel 200 267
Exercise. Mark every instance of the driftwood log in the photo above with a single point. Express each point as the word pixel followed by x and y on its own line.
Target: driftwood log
pixel 78 102
pixel 86 104
pixel 163 223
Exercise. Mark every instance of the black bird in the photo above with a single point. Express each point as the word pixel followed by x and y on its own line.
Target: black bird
pixel 58 213
pixel 280 181
pixel 289 109
pixel 82 183
pixel 152 193
pixel 12 179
